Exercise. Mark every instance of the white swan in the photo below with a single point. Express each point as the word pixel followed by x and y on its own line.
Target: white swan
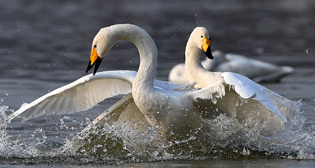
pixel 237 86
pixel 161 103
pixel 174 111
pixel 259 71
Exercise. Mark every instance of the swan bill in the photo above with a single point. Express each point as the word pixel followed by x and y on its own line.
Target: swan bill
pixel 209 53
pixel 94 59
pixel 206 47
pixel 94 55
pixel 97 64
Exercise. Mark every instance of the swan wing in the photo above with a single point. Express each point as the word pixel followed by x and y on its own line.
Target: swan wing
pixel 79 95
pixel 247 88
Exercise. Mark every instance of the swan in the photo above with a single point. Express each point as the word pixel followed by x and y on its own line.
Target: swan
pixel 163 105
pixel 237 87
pixel 175 111
pixel 259 71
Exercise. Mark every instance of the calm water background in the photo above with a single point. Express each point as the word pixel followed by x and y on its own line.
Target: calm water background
pixel 44 45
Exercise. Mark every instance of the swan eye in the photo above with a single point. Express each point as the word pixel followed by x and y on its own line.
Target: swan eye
pixel 95 46
pixel 201 36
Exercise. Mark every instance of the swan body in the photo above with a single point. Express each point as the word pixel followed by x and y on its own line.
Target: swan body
pixel 172 111
pixel 259 71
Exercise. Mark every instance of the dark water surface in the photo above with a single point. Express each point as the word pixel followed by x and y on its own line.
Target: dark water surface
pixel 44 45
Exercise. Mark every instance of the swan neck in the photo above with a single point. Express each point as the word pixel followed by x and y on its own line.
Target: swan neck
pixel 147 52
pixel 192 59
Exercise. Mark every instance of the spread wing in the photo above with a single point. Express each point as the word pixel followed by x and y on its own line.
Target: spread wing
pixel 79 95
pixel 247 88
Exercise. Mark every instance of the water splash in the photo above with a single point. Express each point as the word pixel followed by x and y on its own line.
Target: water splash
pixel 224 139
pixel 296 141
pixel 9 148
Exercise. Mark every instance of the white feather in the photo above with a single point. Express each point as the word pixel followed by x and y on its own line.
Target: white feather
pixel 79 95
pixel 247 88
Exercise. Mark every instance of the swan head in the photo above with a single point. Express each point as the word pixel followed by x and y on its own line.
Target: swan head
pixel 102 43
pixel 202 39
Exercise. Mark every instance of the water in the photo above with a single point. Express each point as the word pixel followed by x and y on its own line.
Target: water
pixel 45 45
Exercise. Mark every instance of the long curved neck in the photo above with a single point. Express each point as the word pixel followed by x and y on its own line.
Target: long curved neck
pixel 192 60
pixel 147 51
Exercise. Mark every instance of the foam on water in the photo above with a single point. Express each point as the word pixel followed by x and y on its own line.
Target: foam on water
pixel 226 139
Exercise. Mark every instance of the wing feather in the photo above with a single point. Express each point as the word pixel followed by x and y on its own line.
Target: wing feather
pixel 79 95
pixel 247 88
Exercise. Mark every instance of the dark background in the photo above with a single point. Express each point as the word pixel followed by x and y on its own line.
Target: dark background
pixel 38 38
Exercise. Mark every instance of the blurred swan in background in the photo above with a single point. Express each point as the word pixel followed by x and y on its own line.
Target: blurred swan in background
pixel 259 71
